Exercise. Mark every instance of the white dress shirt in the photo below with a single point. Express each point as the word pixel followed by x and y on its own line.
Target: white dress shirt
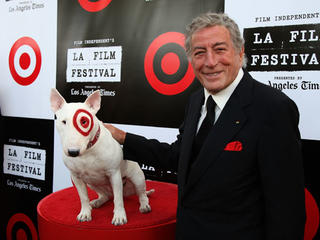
pixel 221 98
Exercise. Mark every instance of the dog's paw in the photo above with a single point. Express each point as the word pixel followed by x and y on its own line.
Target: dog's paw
pixel 145 208
pixel 119 217
pixel 96 203
pixel 84 215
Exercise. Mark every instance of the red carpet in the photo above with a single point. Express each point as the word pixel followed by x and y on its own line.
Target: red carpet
pixel 58 211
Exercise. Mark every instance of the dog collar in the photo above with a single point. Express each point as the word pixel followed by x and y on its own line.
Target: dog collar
pixel 95 139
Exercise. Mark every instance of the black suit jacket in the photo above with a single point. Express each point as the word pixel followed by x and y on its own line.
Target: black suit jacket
pixel 247 182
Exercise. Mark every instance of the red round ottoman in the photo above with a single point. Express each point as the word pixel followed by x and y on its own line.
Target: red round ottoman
pixel 58 211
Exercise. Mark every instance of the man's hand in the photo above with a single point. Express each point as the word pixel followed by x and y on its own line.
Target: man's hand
pixel 116 133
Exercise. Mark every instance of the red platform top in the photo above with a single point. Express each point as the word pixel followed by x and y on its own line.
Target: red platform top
pixel 62 207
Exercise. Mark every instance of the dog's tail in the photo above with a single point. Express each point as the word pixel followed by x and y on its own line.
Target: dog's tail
pixel 150 192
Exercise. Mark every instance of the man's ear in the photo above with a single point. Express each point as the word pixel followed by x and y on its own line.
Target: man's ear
pixel 94 101
pixel 242 56
pixel 56 100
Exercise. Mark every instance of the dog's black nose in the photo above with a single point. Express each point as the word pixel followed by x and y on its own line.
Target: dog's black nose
pixel 73 152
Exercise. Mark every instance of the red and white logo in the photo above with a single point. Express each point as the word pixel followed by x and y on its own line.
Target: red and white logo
pixel 83 121
pixel 25 61
pixel 94 6
pixel 166 66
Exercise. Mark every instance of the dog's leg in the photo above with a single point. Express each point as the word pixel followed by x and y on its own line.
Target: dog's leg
pixel 140 186
pixel 136 176
pixel 119 213
pixel 103 196
pixel 128 188
pixel 85 213
pixel 96 203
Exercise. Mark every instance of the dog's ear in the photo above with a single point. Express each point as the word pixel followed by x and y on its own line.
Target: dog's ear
pixel 94 101
pixel 56 100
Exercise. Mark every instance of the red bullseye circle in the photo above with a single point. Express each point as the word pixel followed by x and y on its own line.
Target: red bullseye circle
pixel 83 121
pixel 163 88
pixel 21 234
pixel 24 61
pixel 170 63
pixel 312 212
pixel 94 6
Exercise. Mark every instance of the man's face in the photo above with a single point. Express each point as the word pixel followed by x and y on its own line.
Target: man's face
pixel 214 59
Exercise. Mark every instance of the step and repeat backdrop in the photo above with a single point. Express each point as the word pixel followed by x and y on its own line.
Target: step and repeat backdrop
pixel 133 52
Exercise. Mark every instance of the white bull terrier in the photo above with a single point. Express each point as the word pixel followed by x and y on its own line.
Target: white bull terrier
pixel 95 159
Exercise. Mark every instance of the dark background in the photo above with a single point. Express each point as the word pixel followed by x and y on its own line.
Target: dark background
pixel 25 201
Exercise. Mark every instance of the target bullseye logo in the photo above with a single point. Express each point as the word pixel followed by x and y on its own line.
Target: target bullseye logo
pixel 94 6
pixel 170 63
pixel 20 226
pixel 83 121
pixel 25 61
pixel 166 65
pixel 312 212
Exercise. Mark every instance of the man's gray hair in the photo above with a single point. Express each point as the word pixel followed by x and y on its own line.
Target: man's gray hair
pixel 213 19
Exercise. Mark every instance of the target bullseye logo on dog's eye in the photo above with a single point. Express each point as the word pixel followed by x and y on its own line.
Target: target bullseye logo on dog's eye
pixel 83 121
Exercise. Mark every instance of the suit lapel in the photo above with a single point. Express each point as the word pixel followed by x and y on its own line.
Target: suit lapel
pixel 230 121
pixel 190 127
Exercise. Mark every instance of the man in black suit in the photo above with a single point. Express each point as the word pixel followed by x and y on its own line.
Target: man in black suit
pixel 238 157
